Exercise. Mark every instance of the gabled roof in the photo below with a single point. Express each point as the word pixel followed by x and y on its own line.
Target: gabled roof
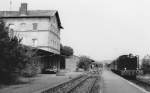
pixel 31 14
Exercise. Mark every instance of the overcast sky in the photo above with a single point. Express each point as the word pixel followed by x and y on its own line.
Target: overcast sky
pixel 101 29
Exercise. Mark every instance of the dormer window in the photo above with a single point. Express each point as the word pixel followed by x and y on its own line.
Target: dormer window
pixel 23 26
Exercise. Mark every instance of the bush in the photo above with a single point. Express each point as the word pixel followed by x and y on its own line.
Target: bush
pixel 66 51
pixel 84 63
pixel 31 68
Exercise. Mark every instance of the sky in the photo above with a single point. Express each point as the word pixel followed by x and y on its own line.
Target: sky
pixel 100 29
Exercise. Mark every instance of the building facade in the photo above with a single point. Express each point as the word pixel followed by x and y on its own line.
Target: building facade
pixel 37 28
pixel 71 63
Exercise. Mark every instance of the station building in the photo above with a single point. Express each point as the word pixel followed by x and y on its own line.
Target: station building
pixel 39 29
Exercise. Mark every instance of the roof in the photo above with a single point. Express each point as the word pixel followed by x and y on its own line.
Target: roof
pixel 31 14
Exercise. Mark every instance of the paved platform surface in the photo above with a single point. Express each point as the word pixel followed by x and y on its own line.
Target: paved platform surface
pixel 43 81
pixel 113 83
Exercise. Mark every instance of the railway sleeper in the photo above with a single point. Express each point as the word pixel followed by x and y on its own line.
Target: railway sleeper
pixel 87 84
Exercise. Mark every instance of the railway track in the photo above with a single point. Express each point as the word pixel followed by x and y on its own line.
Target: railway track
pixel 82 84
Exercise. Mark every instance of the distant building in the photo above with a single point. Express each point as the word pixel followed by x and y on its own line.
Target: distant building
pixel 37 28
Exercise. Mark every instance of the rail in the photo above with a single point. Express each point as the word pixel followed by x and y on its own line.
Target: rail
pixel 63 88
pixel 85 86
pixel 82 84
pixel 92 85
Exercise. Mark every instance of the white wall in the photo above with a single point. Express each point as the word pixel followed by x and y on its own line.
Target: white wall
pixel 71 63
pixel 47 35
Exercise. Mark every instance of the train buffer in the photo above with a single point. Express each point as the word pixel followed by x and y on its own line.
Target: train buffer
pixel 113 83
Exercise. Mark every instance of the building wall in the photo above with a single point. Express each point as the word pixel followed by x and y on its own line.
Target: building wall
pixel 71 63
pixel 46 36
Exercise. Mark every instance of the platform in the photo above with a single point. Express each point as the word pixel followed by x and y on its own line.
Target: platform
pixel 113 83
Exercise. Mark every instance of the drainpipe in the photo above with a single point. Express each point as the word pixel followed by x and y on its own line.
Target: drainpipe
pixel 137 61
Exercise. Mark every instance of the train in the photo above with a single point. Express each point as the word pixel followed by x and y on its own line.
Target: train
pixel 126 66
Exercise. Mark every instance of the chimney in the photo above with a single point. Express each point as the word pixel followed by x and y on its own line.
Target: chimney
pixel 23 9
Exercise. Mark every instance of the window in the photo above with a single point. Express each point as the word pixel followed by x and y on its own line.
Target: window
pixel 22 26
pixel 35 25
pixel 55 43
pixel 11 29
pixel 34 42
pixel 11 26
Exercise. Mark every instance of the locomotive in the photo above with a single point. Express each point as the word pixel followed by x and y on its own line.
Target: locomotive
pixel 126 66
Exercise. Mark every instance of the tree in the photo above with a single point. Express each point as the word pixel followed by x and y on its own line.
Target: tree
pixel 12 55
pixel 84 62
pixel 32 66
pixel 66 50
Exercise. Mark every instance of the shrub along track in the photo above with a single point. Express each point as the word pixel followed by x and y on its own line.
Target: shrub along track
pixel 88 83
pixel 142 84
